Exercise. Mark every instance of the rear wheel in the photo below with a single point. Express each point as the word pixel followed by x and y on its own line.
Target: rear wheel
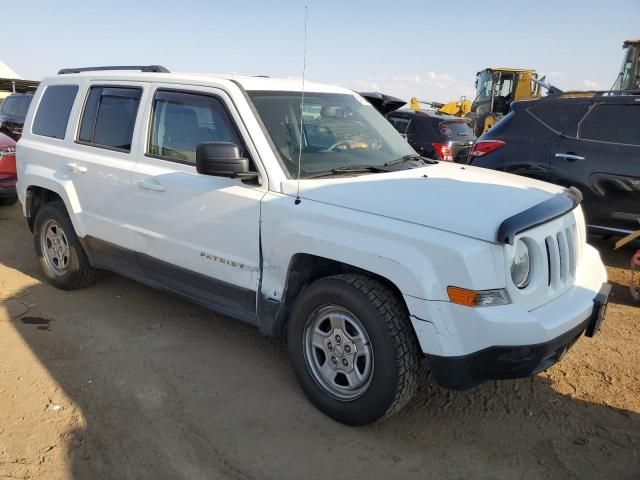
pixel 353 348
pixel 61 257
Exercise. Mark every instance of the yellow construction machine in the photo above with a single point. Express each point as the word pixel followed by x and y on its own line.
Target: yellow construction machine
pixel 629 76
pixel 496 88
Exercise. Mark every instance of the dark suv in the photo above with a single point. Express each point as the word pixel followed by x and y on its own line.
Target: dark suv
pixel 587 140
pixel 13 112
pixel 433 134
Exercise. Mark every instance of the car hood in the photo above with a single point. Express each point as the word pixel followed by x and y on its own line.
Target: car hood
pixel 462 199
pixel 6 141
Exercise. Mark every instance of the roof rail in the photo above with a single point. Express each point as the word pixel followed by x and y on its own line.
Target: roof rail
pixel 141 68
pixel 594 93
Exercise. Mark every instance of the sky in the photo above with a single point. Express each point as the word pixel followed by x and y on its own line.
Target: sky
pixel 429 49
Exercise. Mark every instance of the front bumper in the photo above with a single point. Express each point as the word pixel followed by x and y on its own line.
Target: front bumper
pixel 8 186
pixel 467 346
pixel 503 362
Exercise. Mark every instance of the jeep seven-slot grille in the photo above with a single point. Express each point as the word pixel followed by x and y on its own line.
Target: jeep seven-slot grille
pixel 561 256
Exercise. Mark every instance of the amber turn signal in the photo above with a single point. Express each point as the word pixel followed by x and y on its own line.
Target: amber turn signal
pixel 480 298
pixel 463 296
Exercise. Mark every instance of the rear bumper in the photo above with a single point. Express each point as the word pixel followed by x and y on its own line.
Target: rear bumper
pixel 8 192
pixel 504 362
pixel 8 187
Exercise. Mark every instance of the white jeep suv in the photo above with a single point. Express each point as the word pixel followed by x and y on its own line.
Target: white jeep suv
pixel 306 214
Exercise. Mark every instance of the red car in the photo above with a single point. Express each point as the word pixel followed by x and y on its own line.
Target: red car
pixel 8 175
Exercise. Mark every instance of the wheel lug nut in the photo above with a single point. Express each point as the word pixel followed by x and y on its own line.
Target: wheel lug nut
pixel 345 362
pixel 334 360
pixel 338 339
pixel 330 346
pixel 347 349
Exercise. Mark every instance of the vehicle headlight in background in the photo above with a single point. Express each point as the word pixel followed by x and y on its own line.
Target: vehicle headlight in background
pixel 521 268
pixel 8 150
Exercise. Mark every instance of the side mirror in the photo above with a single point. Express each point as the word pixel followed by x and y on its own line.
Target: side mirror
pixel 222 159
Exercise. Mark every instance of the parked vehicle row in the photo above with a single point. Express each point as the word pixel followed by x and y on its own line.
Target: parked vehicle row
pixel 13 111
pixel 306 214
pixel 590 141
pixel 434 135
pixel 586 140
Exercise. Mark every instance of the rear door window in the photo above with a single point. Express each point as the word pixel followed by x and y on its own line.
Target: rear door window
pixel 109 117
pixel 53 112
pixel 612 123
pixel 180 121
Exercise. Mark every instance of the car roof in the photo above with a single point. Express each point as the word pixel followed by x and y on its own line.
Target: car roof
pixel 430 114
pixel 251 83
pixel 581 97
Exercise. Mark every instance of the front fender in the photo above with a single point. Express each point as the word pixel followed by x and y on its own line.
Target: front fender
pixel 420 261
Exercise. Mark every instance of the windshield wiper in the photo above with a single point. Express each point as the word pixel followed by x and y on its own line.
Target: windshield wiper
pixel 350 169
pixel 409 158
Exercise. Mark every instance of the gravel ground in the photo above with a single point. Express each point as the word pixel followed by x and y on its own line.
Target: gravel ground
pixel 119 381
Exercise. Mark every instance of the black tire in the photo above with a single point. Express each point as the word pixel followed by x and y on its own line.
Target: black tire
pixel 394 346
pixel 78 272
pixel 7 202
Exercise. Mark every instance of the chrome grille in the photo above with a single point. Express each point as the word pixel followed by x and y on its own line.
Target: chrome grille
pixel 561 251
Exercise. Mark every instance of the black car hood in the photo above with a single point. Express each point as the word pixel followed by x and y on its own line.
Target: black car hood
pixel 385 104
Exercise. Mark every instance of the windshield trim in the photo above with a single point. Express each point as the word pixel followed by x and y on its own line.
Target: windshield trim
pixel 263 127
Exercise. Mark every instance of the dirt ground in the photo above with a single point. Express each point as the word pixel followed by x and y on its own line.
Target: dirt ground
pixel 119 381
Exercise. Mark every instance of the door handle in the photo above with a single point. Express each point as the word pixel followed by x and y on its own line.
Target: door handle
pixel 572 157
pixel 151 186
pixel 74 167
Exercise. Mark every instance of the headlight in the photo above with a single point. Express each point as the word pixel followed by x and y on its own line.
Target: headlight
pixel 8 150
pixel 521 268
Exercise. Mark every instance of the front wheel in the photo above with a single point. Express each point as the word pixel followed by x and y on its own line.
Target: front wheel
pixel 353 348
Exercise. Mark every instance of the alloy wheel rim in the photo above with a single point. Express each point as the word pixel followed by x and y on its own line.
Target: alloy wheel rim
pixel 55 248
pixel 338 352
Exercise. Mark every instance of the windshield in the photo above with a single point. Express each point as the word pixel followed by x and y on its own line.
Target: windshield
pixel 338 131
pixel 629 76
pixel 484 86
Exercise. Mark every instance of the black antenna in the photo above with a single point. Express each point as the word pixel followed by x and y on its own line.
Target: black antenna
pixel 304 70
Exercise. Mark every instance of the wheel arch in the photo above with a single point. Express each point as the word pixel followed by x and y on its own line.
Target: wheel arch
pixel 303 270
pixel 39 195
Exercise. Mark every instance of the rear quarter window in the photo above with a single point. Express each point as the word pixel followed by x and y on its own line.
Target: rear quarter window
pixel 53 111
pixel 9 106
pixel 23 106
pixel 455 129
pixel 612 123
pixel 561 118
pixel 401 124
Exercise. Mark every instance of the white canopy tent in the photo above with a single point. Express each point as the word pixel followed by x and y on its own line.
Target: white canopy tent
pixel 6 72
pixel 11 82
